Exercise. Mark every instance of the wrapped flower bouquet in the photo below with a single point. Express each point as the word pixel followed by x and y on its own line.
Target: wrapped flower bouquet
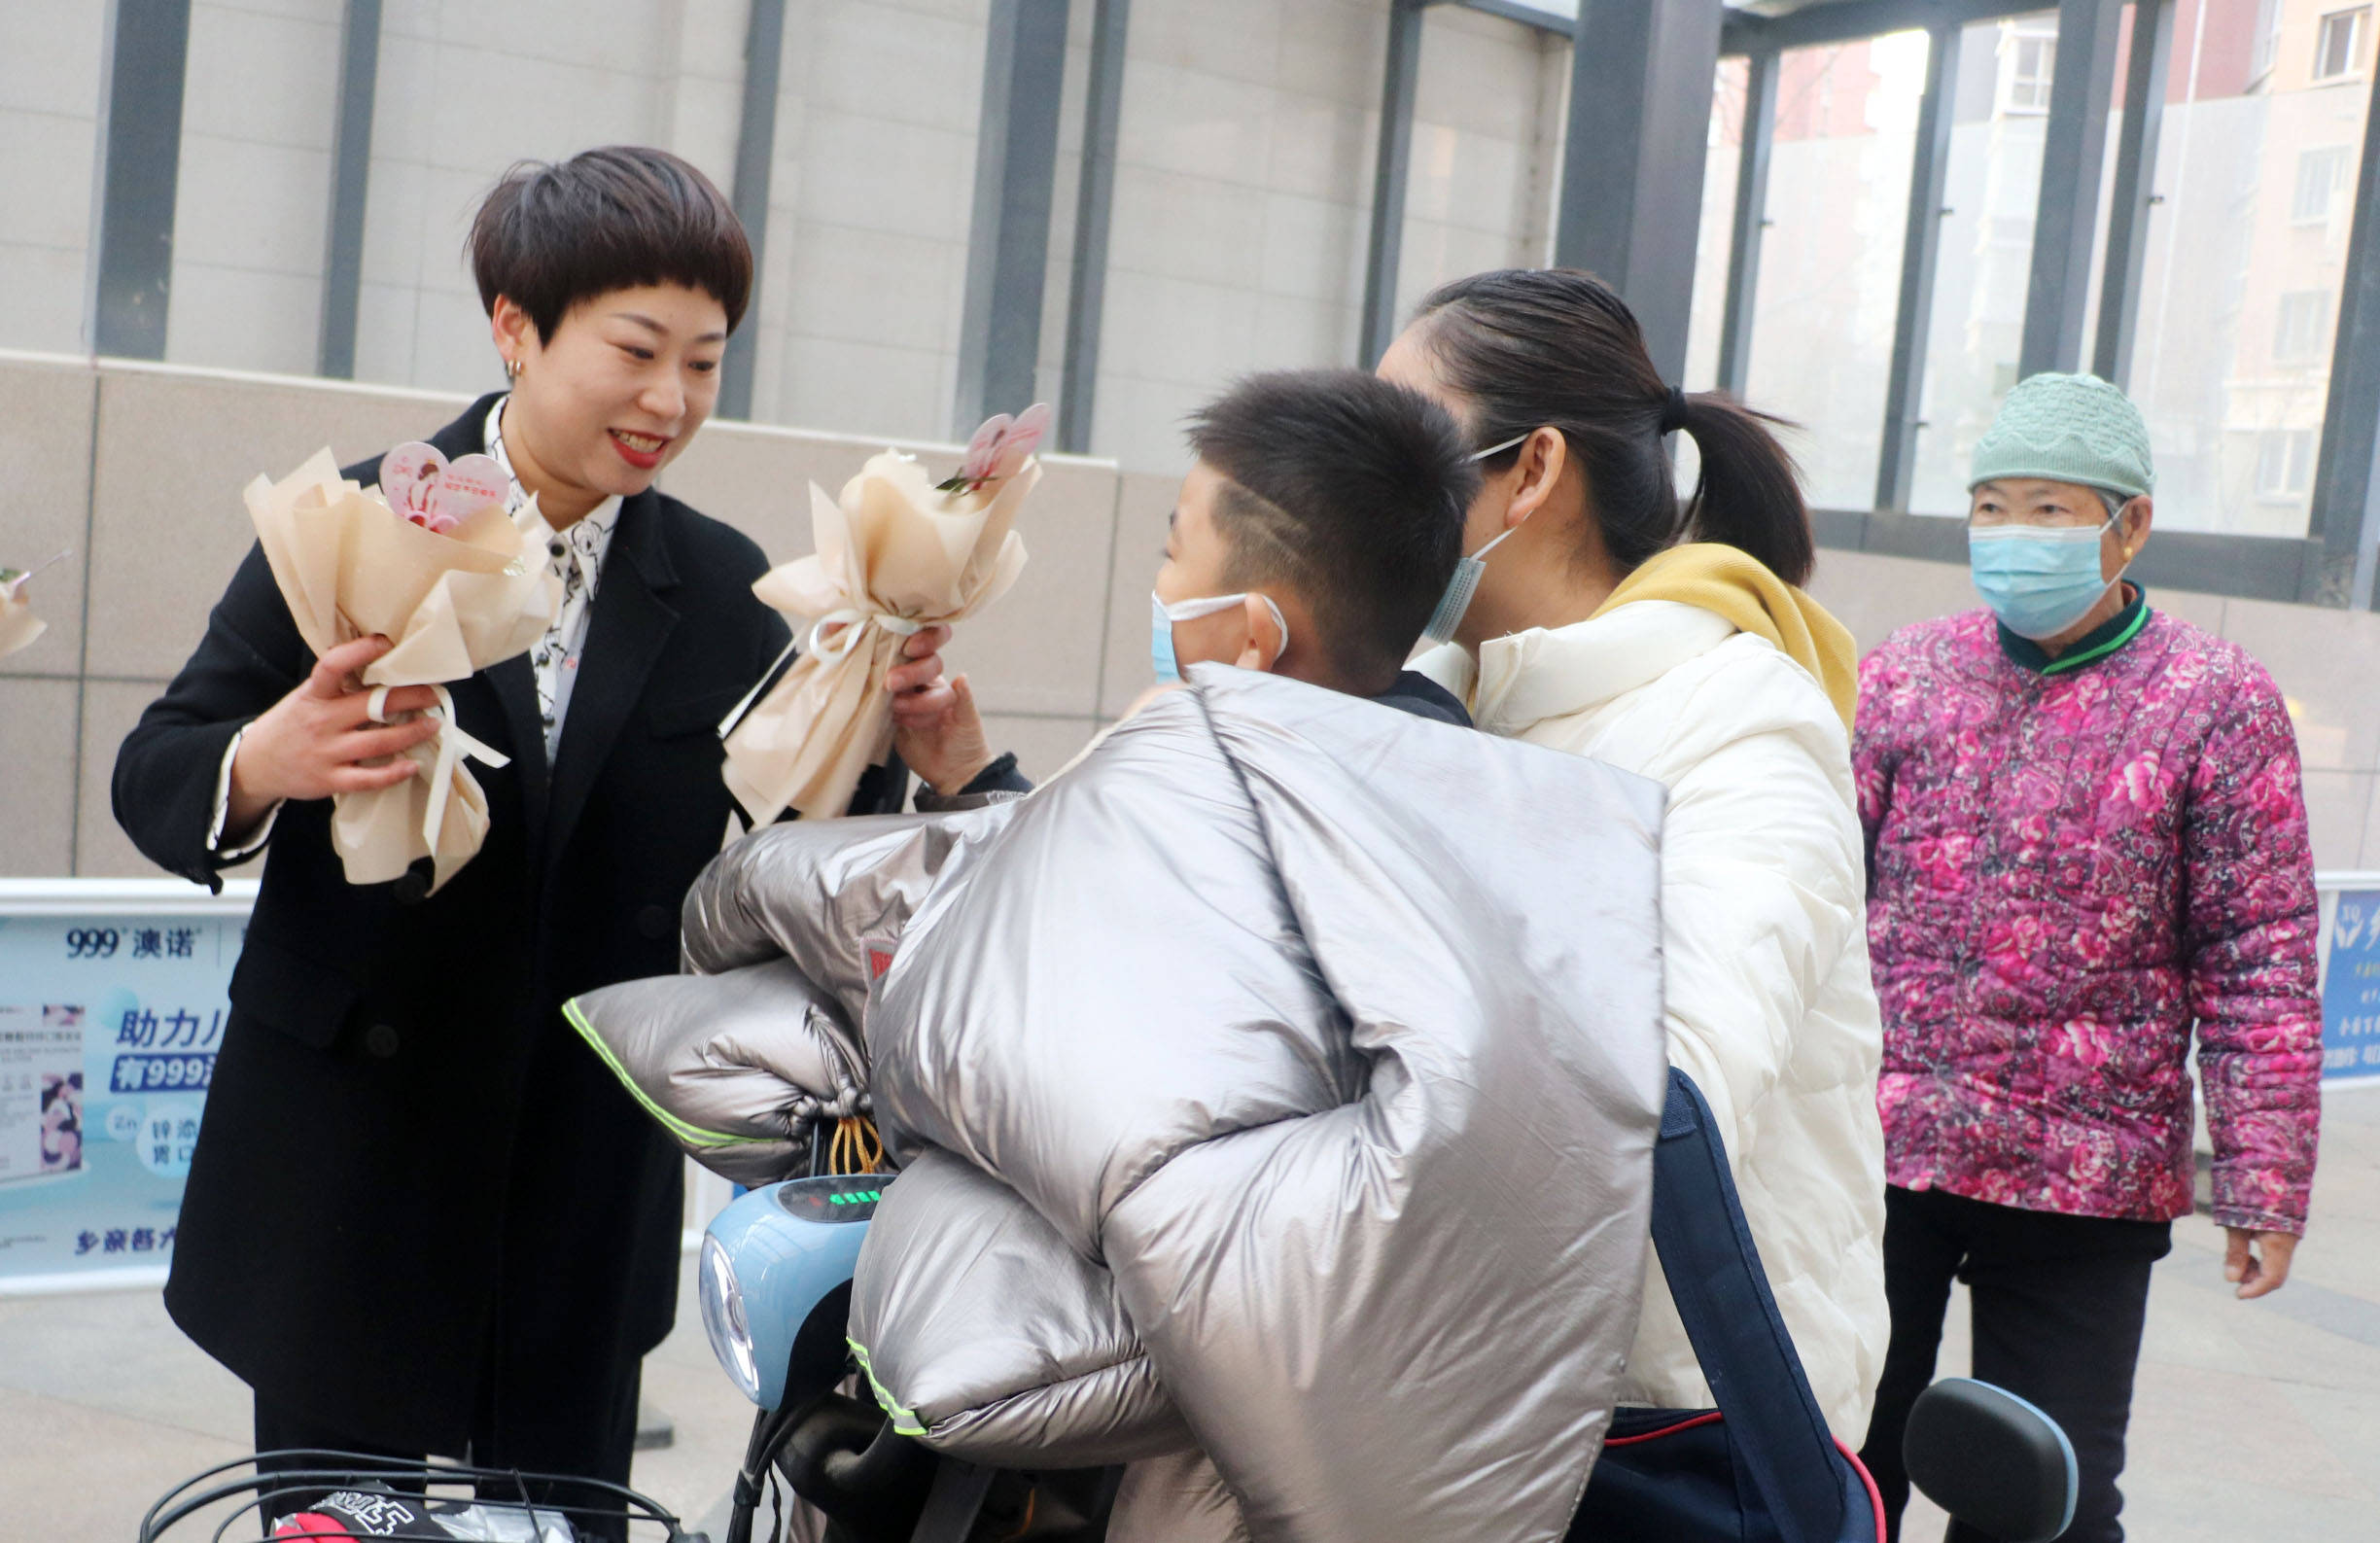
pixel 431 560
pixel 895 553
pixel 19 626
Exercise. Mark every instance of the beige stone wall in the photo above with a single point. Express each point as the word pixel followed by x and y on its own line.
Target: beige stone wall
pixel 138 469
pixel 1242 183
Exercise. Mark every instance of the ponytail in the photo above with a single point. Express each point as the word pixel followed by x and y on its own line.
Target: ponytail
pixel 1557 348
pixel 1748 495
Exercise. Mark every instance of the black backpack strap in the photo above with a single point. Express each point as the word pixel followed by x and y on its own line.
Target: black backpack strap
pixel 1722 1294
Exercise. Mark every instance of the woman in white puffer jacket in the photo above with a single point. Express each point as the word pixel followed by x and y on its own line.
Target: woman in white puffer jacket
pixel 1675 645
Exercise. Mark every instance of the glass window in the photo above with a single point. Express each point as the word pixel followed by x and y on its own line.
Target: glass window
pixel 2267 39
pixel 2298 334
pixel 2246 257
pixel 1990 192
pixel 1830 274
pixel 1722 161
pixel 2029 56
pixel 2317 179
pixel 2285 464
pixel 2337 44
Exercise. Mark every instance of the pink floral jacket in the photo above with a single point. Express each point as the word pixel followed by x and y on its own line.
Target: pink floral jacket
pixel 2065 872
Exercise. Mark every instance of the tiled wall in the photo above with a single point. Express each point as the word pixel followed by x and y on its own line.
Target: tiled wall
pixel 1241 195
pixel 1243 190
pixel 138 469
pixel 49 83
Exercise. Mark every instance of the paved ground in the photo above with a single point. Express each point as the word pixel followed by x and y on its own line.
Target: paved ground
pixel 2253 1420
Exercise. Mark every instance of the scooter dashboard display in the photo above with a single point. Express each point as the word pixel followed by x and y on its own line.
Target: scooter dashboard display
pixel 831 1199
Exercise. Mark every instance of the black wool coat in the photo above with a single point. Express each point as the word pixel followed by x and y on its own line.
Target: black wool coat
pixel 413 1181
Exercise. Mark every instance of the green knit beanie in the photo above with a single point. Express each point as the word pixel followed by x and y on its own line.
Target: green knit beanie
pixel 2067 428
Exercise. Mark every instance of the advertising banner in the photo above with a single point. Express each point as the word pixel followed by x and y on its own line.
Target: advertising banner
pixel 2351 987
pixel 113 995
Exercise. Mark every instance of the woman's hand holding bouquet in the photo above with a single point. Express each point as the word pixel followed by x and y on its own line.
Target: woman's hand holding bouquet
pixel 397 589
pixel 898 559
pixel 321 739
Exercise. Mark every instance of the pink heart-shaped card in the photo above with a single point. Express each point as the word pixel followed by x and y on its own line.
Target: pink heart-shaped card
pixel 436 494
pixel 1000 445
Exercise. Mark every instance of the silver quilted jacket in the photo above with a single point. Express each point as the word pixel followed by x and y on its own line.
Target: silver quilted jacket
pixel 1274 1092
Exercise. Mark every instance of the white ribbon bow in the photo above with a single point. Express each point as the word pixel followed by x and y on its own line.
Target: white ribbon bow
pixel 826 650
pixel 454 747
pixel 854 622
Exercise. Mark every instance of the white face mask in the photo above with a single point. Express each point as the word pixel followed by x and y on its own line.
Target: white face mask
pixel 1162 617
pixel 1468 570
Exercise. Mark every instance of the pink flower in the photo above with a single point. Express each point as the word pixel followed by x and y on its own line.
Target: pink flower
pixel 2141 781
pixel 1943 859
pixel 2273 791
pixel 2080 1040
pixel 2015 938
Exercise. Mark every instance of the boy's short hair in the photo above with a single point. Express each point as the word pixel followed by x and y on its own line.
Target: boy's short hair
pixel 1348 489
pixel 550 235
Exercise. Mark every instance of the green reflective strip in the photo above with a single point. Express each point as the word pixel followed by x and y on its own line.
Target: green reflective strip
pixel 904 1421
pixel 691 1135
pixel 2076 661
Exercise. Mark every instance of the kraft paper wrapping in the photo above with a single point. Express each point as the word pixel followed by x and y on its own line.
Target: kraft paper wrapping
pixel 349 566
pixel 18 625
pixel 893 555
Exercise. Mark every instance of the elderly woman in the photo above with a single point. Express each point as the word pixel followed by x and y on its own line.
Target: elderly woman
pixel 2085 838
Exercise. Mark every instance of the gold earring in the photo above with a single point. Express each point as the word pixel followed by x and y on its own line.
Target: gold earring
pixel 513 368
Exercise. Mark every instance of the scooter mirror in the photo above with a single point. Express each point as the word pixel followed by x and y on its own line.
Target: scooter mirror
pixel 1992 1460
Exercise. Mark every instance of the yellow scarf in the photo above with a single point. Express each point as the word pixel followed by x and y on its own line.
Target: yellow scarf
pixel 1738 587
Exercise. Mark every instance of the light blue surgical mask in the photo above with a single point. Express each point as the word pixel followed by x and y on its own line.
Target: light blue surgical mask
pixel 1162 617
pixel 2037 580
pixel 1468 570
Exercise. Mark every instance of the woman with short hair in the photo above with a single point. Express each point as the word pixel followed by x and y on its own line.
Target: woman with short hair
pixel 422 1217
pixel 1670 641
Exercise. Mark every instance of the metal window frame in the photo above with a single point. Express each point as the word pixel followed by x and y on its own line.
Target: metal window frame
pixel 2358 21
pixel 755 158
pixel 2343 520
pixel 1634 148
pixel 139 176
pixel 335 345
pixel 1851 20
pixel 1016 168
pixel 1392 163
pixel 2133 194
pixel 2066 219
pixel 1751 217
pixel 1920 253
pixel 1094 209
pixel 2338 563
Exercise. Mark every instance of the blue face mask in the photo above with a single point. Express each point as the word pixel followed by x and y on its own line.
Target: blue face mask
pixel 1162 617
pixel 1455 598
pixel 2038 582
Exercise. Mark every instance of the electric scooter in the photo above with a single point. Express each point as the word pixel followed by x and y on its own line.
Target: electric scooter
pixel 776 1285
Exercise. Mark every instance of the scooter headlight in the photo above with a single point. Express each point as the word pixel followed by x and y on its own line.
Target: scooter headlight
pixel 772 1259
pixel 723 1315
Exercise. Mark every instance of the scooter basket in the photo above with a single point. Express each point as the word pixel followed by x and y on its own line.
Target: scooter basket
pixel 414 1500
